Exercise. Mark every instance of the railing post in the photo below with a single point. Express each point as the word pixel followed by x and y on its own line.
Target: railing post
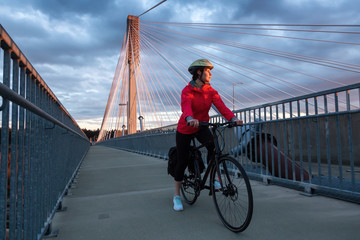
pixel 13 152
pixel 4 149
pixel 21 162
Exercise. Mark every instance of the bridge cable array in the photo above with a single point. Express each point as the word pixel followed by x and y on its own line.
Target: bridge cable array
pixel 254 64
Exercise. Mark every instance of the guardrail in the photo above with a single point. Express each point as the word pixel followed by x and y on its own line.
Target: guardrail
pixel 42 148
pixel 310 143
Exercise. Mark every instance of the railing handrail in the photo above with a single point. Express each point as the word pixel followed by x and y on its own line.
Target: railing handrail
pixel 7 42
pixel 9 94
pixel 302 97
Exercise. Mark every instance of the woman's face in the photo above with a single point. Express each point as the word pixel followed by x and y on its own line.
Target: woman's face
pixel 206 76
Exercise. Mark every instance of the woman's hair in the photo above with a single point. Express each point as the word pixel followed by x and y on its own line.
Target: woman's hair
pixel 196 75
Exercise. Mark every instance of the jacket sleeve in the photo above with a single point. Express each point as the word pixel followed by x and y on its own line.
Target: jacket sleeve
pixel 223 109
pixel 186 99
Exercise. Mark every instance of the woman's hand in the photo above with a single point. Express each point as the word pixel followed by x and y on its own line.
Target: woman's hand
pixel 193 123
pixel 239 122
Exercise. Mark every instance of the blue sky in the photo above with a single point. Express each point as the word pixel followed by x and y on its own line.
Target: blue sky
pixel 75 45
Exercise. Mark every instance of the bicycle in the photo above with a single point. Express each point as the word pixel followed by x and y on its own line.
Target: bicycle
pixel 234 199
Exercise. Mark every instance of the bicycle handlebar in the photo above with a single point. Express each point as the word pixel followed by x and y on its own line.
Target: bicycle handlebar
pixel 228 124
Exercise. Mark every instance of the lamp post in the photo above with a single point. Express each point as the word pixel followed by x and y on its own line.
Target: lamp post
pixel 239 83
pixel 123 130
pixel 141 118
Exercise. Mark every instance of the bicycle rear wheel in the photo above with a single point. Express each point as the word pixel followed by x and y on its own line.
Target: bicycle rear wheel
pixel 234 201
pixel 189 187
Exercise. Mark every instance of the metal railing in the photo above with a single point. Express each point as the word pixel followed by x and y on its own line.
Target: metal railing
pixel 42 148
pixel 310 143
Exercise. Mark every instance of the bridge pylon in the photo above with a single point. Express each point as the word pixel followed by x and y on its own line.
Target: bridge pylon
pixel 133 63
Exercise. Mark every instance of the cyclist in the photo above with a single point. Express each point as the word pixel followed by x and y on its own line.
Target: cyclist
pixel 196 100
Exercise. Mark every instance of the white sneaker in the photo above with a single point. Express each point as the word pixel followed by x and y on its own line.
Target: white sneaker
pixel 177 203
pixel 217 185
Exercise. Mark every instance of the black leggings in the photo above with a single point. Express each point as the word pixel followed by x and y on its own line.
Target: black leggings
pixel 204 136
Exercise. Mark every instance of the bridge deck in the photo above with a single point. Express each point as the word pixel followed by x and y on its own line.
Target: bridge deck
pixel 122 195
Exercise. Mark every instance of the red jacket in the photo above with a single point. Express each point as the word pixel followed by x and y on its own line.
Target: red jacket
pixel 197 103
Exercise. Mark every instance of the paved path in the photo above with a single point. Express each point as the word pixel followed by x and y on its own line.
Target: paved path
pixel 122 195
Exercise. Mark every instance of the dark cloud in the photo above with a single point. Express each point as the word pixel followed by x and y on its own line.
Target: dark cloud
pixel 74 44
pixel 295 12
pixel 60 9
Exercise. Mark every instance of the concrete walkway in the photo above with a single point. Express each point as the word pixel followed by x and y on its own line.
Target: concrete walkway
pixel 122 195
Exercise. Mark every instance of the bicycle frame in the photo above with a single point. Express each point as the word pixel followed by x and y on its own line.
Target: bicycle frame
pixel 214 161
pixel 233 198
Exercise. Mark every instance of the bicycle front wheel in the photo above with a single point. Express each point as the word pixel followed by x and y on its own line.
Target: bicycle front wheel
pixel 234 200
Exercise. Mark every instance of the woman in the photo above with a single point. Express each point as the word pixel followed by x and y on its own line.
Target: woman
pixel 196 100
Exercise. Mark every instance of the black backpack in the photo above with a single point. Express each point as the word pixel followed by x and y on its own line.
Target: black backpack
pixel 194 156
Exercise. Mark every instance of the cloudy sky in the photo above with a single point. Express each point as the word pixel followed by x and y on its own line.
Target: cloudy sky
pixel 75 45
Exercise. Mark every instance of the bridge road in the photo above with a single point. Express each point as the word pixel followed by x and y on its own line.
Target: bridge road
pixel 122 195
